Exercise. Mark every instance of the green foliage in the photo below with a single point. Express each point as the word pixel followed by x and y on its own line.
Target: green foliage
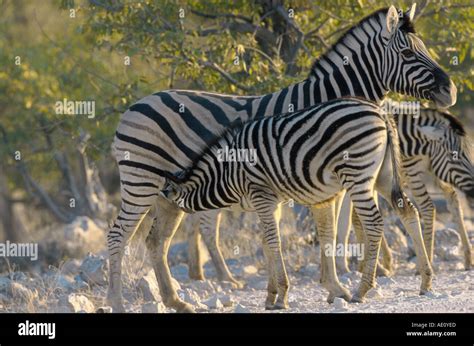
pixel 172 44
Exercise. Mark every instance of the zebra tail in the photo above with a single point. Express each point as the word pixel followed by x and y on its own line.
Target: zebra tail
pixel 394 148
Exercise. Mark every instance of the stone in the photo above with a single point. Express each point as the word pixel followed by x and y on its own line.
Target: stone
pixel 76 303
pixel 180 272
pixel 104 310
pixel 151 308
pixel 226 300
pixel 71 267
pixel 83 233
pixel 240 309
pixel 93 270
pixel 250 270
pixel 6 286
pixel 340 304
pixel 385 280
pixel 148 287
pixel 214 303
pixel 447 244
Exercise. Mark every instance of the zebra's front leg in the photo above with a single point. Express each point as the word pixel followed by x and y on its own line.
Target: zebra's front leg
pixel 268 214
pixel 455 209
pixel 209 229
pixel 324 216
pixel 372 224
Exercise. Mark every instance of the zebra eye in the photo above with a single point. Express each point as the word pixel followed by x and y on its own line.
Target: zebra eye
pixel 408 53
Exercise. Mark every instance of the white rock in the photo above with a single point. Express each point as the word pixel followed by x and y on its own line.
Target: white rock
pixel 375 293
pixel 340 304
pixel 151 308
pixel 213 303
pixel 93 270
pixel 148 287
pixel 77 303
pixel 83 233
pixel 447 244
pixel 226 300
pixel 385 281
pixel 240 309
pixel 203 287
pixel 250 270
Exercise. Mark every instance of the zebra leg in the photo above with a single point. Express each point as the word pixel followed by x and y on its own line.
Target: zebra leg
pixel 372 224
pixel 132 211
pixel 426 209
pixel 324 216
pixel 409 216
pixel 265 203
pixel 194 250
pixel 386 254
pixel 168 218
pixel 209 228
pixel 361 239
pixel 343 231
pixel 456 211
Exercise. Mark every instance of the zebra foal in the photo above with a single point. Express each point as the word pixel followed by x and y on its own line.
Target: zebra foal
pixel 308 156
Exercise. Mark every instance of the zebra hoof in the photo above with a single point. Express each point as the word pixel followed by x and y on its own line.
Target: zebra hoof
pixel 426 292
pixel 235 284
pixel 467 265
pixel 382 272
pixel 277 306
pixel 343 293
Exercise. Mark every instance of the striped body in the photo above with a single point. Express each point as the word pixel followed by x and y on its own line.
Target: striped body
pixel 434 148
pixel 309 157
pixel 165 132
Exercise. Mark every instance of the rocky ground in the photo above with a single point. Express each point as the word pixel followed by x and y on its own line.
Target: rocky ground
pixel 80 286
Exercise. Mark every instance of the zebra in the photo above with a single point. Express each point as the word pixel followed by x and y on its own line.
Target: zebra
pixel 164 132
pixel 434 147
pixel 300 156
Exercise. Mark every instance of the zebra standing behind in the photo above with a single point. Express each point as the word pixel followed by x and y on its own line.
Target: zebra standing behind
pixel 164 132
pixel 434 147
pixel 308 156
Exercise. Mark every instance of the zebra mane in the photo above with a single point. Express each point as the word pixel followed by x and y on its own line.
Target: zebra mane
pixel 406 25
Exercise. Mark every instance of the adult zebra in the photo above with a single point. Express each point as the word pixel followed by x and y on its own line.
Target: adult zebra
pixel 434 147
pixel 163 133
pixel 299 156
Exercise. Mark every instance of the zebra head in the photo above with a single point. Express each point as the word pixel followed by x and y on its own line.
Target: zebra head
pixel 407 65
pixel 451 154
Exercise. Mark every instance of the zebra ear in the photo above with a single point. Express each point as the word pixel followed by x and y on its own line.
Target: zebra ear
pixel 432 133
pixel 392 19
pixel 411 11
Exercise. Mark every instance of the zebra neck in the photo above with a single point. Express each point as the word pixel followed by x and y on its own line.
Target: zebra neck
pixel 352 67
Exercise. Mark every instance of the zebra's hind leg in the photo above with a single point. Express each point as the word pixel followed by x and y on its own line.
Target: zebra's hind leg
pixel 372 224
pixel 132 212
pixel 324 216
pixel 409 216
pixel 194 249
pixel 209 228
pixel 168 218
pixel 266 206
pixel 455 209
pixel 343 229
pixel 361 239
pixel 426 207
